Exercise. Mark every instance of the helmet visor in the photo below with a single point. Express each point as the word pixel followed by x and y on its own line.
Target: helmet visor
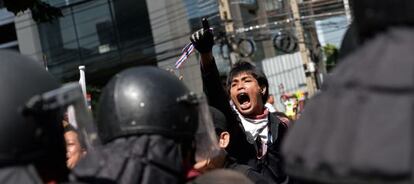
pixel 69 95
pixel 205 138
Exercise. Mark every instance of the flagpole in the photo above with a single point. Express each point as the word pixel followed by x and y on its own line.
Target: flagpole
pixel 82 80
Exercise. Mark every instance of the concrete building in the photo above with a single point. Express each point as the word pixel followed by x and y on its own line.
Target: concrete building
pixel 106 36
pixel 172 22
pixel 109 35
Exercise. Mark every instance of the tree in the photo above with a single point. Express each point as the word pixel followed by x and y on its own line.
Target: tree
pixel 331 55
pixel 41 11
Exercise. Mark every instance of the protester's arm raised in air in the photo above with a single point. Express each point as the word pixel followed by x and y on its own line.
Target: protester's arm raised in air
pixel 203 41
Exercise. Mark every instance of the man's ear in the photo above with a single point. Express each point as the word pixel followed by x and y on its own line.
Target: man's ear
pixel 224 139
pixel 263 90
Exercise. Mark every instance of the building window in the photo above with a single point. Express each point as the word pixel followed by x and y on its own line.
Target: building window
pixel 102 35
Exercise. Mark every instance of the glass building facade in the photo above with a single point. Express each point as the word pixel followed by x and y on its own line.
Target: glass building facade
pixel 197 9
pixel 104 35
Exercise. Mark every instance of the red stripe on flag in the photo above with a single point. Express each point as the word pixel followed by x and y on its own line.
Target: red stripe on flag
pixel 187 50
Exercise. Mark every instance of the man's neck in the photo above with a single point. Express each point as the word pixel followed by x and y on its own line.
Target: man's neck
pixel 263 113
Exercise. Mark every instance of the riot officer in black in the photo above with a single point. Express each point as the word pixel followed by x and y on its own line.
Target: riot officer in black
pixel 147 120
pixel 359 129
pixel 32 147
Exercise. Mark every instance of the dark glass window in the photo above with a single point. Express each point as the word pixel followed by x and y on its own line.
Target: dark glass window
pixel 60 44
pixel 104 35
pixel 8 33
pixel 94 29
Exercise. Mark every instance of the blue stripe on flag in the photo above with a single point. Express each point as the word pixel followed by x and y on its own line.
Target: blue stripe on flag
pixel 187 50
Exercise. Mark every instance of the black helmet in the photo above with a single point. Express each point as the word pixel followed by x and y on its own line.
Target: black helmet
pixel 146 100
pixel 27 139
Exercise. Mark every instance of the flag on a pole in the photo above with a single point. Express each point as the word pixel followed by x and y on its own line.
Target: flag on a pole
pixel 71 109
pixel 187 50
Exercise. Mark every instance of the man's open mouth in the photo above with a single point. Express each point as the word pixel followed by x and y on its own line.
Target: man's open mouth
pixel 244 100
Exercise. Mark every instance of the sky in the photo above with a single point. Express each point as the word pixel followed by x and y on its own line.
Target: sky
pixel 331 30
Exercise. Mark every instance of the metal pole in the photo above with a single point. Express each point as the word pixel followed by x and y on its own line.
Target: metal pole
pixel 82 81
pixel 347 11
pixel 226 17
pixel 310 79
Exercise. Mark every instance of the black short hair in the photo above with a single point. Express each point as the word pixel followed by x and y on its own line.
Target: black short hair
pixel 247 67
pixel 219 120
pixel 68 127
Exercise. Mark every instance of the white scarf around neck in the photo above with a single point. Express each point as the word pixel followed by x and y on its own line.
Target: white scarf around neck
pixel 254 128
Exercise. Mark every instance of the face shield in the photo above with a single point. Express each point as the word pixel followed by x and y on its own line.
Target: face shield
pixel 205 136
pixel 58 100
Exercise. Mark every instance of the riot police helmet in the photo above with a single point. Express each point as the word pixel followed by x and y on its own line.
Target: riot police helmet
pixel 27 139
pixel 146 100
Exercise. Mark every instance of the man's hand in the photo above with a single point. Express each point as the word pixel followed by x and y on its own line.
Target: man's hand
pixel 203 39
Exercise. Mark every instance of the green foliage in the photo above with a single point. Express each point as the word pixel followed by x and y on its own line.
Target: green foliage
pixel 331 55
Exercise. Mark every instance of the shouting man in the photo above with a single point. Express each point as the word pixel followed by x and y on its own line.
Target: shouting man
pixel 256 134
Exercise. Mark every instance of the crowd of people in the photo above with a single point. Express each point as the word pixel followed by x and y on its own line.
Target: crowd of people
pixel 152 129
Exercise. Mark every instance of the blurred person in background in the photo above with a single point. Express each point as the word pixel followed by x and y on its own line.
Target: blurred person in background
pixel 269 103
pixel 75 150
pixel 281 115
